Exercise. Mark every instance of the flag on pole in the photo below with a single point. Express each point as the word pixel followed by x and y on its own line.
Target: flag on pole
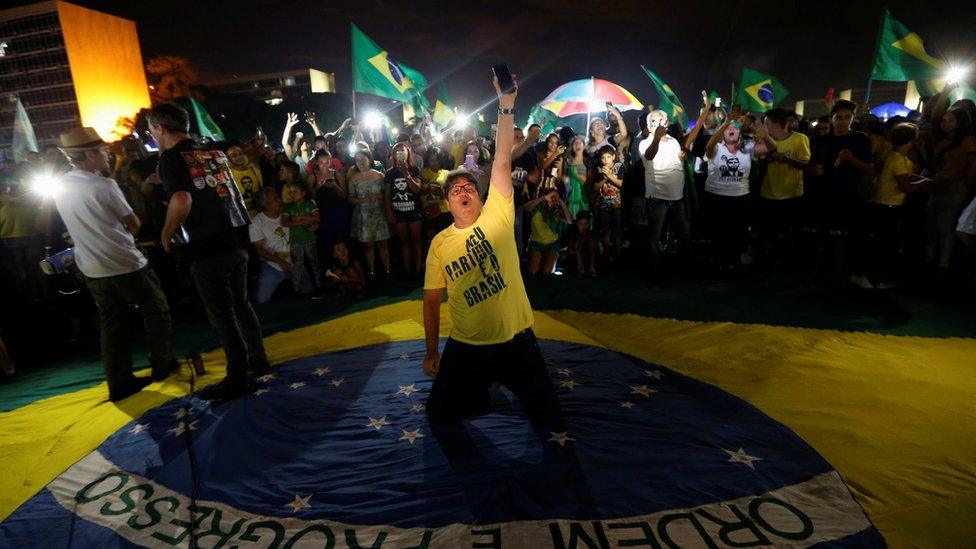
pixel 901 55
pixel 759 92
pixel 443 111
pixel 375 72
pixel 669 101
pixel 206 124
pixel 24 140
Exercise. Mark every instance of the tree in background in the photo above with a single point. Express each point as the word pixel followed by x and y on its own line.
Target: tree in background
pixel 170 77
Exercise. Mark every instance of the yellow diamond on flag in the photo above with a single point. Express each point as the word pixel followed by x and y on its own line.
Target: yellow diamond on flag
pixel 391 71
pixel 912 45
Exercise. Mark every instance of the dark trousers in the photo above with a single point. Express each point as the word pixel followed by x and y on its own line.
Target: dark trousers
pixel 728 220
pixel 467 371
pixel 112 295
pixel 222 284
pixel 658 212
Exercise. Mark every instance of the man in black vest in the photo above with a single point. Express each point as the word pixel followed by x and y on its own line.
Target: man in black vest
pixel 206 222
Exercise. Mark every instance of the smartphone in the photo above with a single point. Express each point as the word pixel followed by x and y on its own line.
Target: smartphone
pixel 505 81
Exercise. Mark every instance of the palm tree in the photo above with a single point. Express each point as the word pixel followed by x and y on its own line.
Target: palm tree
pixel 170 77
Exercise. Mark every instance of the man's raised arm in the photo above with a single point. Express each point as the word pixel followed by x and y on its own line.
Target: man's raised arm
pixel 501 168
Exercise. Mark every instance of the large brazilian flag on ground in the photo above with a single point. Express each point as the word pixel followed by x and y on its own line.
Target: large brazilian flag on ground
pixel 700 413
pixel 375 72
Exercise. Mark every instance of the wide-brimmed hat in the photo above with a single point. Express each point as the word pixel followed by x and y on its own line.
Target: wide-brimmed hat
pixel 81 139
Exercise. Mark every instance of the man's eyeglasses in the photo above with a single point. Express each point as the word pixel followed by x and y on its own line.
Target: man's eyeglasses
pixel 456 190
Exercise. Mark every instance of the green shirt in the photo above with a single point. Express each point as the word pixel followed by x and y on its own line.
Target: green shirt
pixel 301 234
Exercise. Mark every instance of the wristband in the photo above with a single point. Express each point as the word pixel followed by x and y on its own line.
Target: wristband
pixel 502 111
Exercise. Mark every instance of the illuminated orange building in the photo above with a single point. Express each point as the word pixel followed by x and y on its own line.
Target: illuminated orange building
pixel 69 65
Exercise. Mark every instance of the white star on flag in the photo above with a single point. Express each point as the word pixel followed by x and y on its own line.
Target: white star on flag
pixel 626 404
pixel 377 423
pixel 322 371
pixel 181 413
pixel 560 438
pixel 740 456
pixel 299 503
pixel 183 427
pixel 139 427
pixel 338 382
pixel 404 357
pixel 641 390
pixel 266 377
pixel 569 384
pixel 298 385
pixel 417 408
pixel 411 436
pixel 407 389
pixel 656 374
pixel 564 371
pixel 260 392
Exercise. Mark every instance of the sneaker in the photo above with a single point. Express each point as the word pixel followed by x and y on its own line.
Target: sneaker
pixel 224 390
pixel 861 281
pixel 131 388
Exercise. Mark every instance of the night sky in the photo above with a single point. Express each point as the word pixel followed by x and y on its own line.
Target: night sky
pixel 691 45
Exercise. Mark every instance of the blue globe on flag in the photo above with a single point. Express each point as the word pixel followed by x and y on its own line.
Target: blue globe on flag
pixel 766 94
pixel 395 71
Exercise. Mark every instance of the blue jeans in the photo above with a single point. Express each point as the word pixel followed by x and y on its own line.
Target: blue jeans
pixel 268 280
pixel 659 211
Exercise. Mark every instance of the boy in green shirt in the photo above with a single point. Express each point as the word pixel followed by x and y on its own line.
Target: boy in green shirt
pixel 301 217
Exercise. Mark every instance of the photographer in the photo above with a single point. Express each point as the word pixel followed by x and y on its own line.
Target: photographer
pixel 102 226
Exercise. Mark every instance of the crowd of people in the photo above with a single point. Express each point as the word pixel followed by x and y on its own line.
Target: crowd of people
pixel 846 200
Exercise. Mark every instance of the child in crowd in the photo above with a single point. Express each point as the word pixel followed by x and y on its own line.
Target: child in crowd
pixel 346 270
pixel 607 182
pixel 584 243
pixel 547 214
pixel 302 219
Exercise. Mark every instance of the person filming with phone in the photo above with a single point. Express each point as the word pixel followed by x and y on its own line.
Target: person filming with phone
pixel 476 261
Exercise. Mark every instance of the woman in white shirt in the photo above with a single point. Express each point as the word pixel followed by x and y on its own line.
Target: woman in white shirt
pixel 727 202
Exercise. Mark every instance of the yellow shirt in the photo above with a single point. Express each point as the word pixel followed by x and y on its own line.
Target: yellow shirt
pixel 479 266
pixel 18 215
pixel 888 192
pixel 432 192
pixel 783 180
pixel 248 183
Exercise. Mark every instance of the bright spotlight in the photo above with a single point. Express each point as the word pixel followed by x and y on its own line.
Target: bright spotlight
pixel 438 137
pixel 372 120
pixel 461 121
pixel 353 150
pixel 957 74
pixel 45 185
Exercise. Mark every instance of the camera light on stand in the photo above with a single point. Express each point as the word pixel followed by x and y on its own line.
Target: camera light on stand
pixel 45 185
pixel 956 74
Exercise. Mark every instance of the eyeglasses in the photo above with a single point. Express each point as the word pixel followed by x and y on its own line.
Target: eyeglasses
pixel 456 190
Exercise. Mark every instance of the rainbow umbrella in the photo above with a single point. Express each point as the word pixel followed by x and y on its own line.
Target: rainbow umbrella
pixel 589 95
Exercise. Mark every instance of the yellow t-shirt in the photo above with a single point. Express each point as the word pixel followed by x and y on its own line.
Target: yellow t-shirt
pixel 248 183
pixel 479 266
pixel 18 216
pixel 432 192
pixel 888 192
pixel 783 180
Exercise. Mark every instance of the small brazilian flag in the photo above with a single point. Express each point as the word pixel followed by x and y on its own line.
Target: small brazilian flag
pixel 759 92
pixel 443 111
pixel 669 101
pixel 901 55
pixel 206 124
pixel 376 73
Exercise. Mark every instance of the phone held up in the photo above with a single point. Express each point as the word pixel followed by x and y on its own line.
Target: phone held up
pixel 505 80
